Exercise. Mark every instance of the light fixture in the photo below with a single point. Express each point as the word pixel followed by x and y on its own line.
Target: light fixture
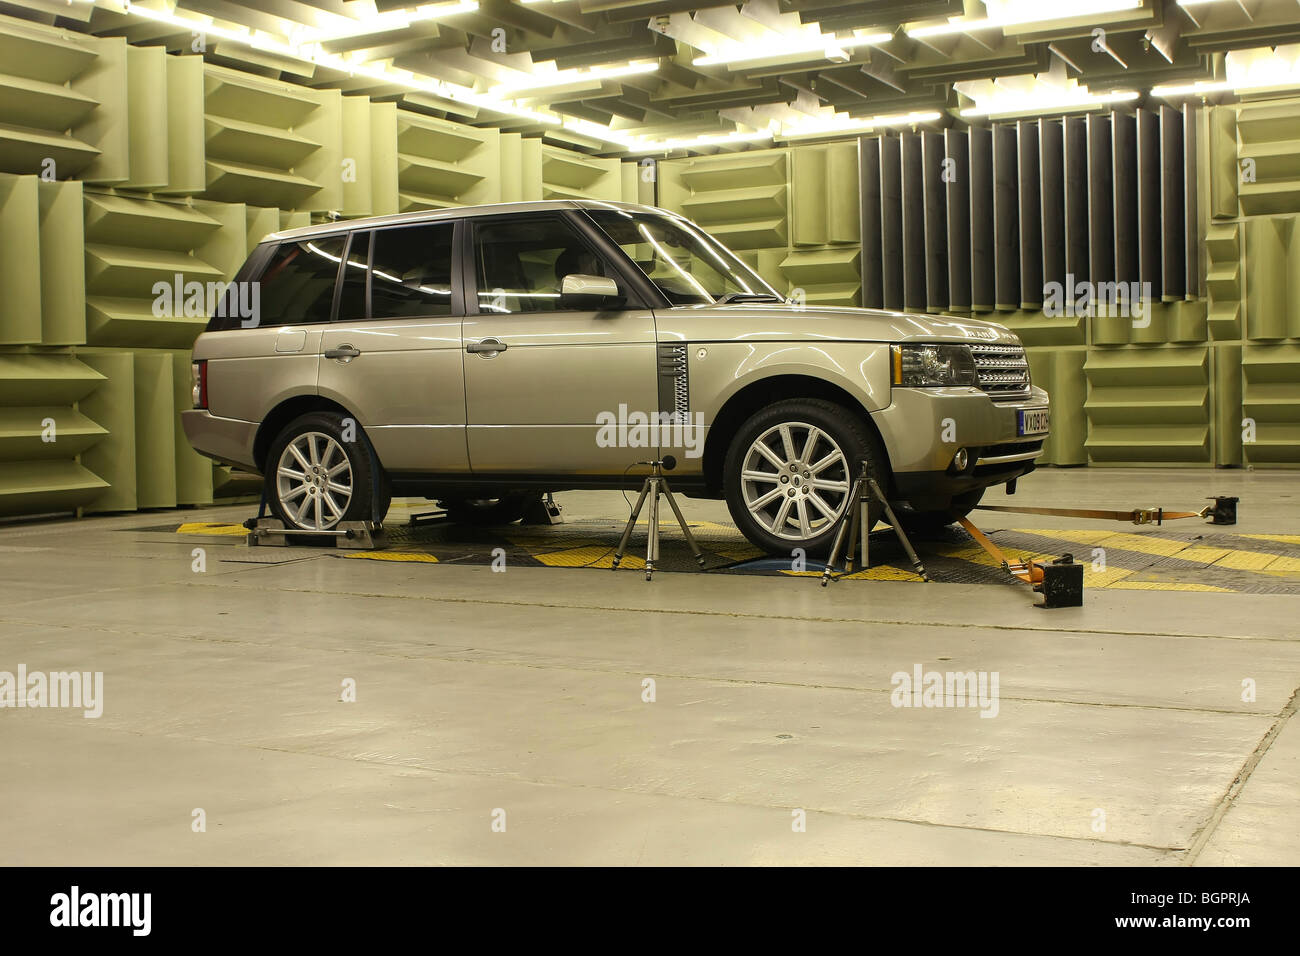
pixel 389 20
pixel 537 81
pixel 1039 101
pixel 827 45
pixel 1023 14
pixel 1252 69
pixel 843 123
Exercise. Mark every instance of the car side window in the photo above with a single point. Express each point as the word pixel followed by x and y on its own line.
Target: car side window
pixel 410 272
pixel 297 285
pixel 519 263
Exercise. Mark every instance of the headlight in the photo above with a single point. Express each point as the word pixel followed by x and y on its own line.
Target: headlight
pixel 933 365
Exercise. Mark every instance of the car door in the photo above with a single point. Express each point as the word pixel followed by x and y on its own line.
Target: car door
pixel 392 355
pixel 542 381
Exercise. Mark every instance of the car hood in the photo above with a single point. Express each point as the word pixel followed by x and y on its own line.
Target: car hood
pixel 766 322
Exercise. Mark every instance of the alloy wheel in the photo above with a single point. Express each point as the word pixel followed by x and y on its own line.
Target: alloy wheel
pixel 313 481
pixel 794 480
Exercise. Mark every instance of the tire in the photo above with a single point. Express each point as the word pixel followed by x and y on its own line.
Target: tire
pixel 341 488
pixel 488 511
pixel 931 522
pixel 781 522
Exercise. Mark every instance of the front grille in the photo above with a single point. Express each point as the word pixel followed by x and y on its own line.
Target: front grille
pixel 1002 370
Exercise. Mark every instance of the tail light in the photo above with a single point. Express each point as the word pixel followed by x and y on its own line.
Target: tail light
pixel 199 383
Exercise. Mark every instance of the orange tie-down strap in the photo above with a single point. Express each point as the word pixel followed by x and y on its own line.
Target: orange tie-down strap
pixel 1030 572
pixel 1136 515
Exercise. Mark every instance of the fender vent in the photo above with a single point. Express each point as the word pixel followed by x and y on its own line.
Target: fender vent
pixel 674 383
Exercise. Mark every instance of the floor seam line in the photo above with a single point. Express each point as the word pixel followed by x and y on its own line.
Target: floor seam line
pixel 1202 837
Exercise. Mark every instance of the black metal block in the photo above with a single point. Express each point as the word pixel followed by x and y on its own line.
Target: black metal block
pixel 1062 584
pixel 1225 510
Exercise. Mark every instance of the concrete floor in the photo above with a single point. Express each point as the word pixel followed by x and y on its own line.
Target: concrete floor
pixel 521 692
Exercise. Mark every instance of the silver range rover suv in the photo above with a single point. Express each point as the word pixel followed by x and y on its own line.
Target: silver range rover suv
pixel 483 356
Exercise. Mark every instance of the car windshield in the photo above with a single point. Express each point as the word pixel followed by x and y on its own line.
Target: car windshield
pixel 687 265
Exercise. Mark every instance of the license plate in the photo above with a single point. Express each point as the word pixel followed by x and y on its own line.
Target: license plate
pixel 1033 421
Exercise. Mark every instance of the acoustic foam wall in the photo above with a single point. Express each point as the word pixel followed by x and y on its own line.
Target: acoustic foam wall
pixel 44 430
pixel 272 143
pixel 824 259
pixel 548 172
pixel 442 164
pixel 133 244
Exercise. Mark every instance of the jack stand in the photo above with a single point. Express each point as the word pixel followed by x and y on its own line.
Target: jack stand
pixel 854 522
pixel 351 535
pixel 1060 583
pixel 544 510
pixel 654 485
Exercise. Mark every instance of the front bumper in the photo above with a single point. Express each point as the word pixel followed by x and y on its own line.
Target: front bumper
pixel 923 429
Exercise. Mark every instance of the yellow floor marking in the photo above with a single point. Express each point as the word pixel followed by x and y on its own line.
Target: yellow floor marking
pixel 1082 537
pixel 394 556
pixel 1202 554
pixel 884 572
pixel 1283 538
pixel 205 527
pixel 1284 565
pixel 1103 579
pixel 1246 561
pixel 595 557
pixel 1143 544
pixel 1166 586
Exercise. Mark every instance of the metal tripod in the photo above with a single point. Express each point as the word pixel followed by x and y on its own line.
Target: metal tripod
pixel 654 485
pixel 854 522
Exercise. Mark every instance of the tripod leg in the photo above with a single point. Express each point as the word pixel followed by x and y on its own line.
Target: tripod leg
pixel 898 529
pixel 627 531
pixel 652 544
pixel 851 546
pixel 690 538
pixel 864 518
pixel 839 536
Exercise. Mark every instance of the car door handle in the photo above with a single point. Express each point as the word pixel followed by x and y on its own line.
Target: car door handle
pixel 342 352
pixel 487 347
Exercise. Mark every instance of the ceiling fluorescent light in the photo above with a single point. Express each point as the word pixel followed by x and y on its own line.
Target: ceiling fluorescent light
pixel 1039 101
pixel 847 124
pixel 1247 70
pixel 1056 10
pixel 828 45
pixel 390 20
pixel 537 81
pixel 1191 89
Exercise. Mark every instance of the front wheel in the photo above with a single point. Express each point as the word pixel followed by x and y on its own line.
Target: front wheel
pixel 789 470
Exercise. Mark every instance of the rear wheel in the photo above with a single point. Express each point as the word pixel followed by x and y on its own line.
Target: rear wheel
pixel 488 511
pixel 315 478
pixel 789 471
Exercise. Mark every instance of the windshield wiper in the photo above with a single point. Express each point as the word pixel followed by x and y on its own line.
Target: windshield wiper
pixel 747 297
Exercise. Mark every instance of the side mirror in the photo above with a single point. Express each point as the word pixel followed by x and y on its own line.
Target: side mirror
pixel 582 293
